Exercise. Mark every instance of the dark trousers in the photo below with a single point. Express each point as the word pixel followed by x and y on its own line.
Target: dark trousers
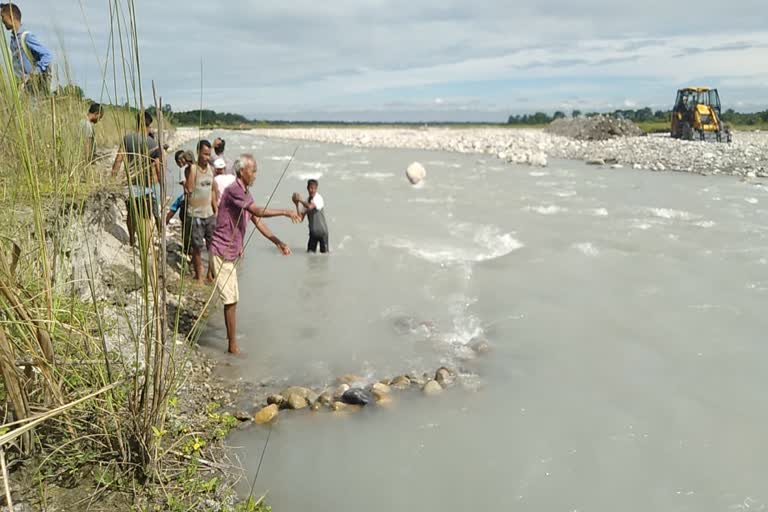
pixel 314 241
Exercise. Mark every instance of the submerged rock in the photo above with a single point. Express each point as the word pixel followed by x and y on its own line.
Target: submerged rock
pixel 297 402
pixel 295 390
pixel 445 377
pixel 432 388
pixel 296 397
pixel 480 346
pixel 241 415
pixel 342 407
pixel 380 391
pixel 401 382
pixel 325 398
pixel 339 392
pixel 349 379
pixel 278 400
pixel 419 380
pixel 357 396
pixel 266 415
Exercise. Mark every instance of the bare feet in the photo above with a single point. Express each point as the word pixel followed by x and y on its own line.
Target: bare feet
pixel 234 350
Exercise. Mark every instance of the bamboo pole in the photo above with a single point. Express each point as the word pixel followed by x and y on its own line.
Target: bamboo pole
pixel 6 481
pixel 14 387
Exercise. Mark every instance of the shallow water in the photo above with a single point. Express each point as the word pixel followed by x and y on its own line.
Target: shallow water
pixel 625 308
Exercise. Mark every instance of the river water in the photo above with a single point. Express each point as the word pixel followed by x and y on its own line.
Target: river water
pixel 626 311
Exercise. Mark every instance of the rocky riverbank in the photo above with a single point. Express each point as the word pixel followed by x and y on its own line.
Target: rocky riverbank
pixel 746 156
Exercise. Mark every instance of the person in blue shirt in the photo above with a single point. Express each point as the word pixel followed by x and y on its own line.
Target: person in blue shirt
pixel 31 59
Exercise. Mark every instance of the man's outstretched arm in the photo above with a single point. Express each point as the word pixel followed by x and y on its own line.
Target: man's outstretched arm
pixel 267 233
pixel 263 213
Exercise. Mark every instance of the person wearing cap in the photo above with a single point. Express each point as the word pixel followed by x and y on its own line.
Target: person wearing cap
pixel 31 59
pixel 237 207
pixel 222 179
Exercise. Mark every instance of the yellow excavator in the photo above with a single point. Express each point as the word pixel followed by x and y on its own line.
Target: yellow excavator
pixel 697 116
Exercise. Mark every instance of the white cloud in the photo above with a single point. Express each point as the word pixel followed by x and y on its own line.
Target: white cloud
pixel 484 56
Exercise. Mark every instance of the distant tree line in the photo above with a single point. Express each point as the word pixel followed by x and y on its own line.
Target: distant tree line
pixel 643 115
pixel 208 118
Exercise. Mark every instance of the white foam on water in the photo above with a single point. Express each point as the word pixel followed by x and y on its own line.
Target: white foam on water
pixel 489 243
pixel 315 165
pixel 343 242
pixel 304 176
pixel 361 162
pixel 668 213
pixel 547 184
pixel 642 225
pixel 599 212
pixel 538 174
pixel 432 200
pixel 378 176
pixel 566 193
pixel 280 158
pixel 587 248
pixel 546 210
pixel 752 200
pixel 705 224
pixel 466 326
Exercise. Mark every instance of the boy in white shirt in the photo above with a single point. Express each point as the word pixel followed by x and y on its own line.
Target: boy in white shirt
pixel 314 209
pixel 222 178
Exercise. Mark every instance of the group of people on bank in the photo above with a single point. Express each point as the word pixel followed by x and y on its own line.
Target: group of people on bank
pixel 215 205
pixel 215 208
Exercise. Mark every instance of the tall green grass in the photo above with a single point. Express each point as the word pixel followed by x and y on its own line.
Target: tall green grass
pixel 71 401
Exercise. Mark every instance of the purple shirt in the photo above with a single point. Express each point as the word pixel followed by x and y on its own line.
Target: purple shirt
pixel 231 222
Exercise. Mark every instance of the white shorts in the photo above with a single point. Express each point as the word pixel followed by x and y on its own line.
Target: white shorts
pixel 226 280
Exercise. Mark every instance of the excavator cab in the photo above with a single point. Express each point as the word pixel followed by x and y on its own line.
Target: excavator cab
pixel 697 115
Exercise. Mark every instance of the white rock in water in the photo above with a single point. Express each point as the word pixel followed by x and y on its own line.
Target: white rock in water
pixel 416 173
pixel 538 160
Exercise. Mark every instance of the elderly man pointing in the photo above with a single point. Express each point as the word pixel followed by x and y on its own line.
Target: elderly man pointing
pixel 235 209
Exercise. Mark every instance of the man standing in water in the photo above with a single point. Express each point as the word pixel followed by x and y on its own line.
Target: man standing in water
pixel 314 209
pixel 236 208
pixel 201 209
pixel 31 60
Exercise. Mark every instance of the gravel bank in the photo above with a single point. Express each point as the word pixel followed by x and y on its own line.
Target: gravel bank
pixel 746 156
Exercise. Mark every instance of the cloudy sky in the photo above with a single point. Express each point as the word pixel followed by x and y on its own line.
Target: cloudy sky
pixel 418 59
